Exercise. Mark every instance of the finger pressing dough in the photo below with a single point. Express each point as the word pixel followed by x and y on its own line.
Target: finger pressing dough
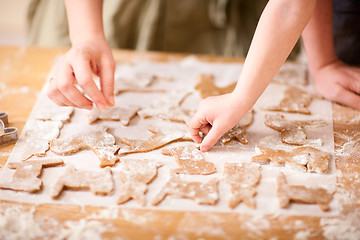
pixel 206 86
pixel 26 175
pixel 169 108
pixel 200 192
pixel 38 135
pixel 295 100
pixel 190 160
pixel 287 193
pixel 99 182
pixel 239 131
pixel 293 132
pixel 242 178
pixel 159 139
pixel 99 140
pixel 124 114
pixel 303 158
pixel 135 174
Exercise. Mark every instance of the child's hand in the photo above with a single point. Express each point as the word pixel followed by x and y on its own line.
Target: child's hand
pixel 339 82
pixel 78 66
pixel 214 117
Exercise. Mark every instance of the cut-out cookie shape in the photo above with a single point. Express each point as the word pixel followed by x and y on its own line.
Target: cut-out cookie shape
pixel 52 112
pixel 38 135
pixel 128 79
pixel 26 175
pixel 293 132
pixel 200 192
pixel 239 131
pixel 295 100
pixel 296 193
pixel 168 107
pixel 124 114
pixel 190 160
pixel 242 178
pixel 135 174
pixel 98 140
pixel 159 139
pixel 303 158
pixel 99 182
pixel 206 86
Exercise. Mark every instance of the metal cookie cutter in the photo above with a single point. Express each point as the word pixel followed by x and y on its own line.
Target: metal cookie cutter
pixel 7 134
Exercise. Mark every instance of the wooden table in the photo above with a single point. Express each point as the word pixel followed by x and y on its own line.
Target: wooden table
pixel 23 73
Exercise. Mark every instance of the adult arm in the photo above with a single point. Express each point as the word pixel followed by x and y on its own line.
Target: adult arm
pixel 332 78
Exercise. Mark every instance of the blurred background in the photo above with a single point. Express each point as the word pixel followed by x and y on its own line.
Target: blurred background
pixel 12 22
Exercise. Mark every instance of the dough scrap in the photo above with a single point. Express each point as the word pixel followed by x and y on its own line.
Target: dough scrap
pixel 190 160
pixel 124 114
pixel 296 193
pixel 52 112
pixel 239 131
pixel 168 107
pixel 206 86
pixel 295 100
pixel 98 140
pixel 307 159
pixel 292 73
pixel 159 139
pixel 135 174
pixel 201 193
pixel 100 182
pixel 26 175
pixel 38 135
pixel 242 178
pixel 293 132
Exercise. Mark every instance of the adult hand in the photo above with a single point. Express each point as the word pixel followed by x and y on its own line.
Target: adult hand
pixel 339 82
pixel 78 66
pixel 214 117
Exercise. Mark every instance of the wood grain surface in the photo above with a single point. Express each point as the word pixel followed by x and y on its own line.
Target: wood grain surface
pixel 23 73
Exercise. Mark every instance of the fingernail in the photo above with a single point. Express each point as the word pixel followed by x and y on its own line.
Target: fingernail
pixel 101 106
pixel 203 149
pixel 112 101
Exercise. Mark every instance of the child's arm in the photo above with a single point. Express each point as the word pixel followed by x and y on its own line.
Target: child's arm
pixel 332 78
pixel 278 30
pixel 90 54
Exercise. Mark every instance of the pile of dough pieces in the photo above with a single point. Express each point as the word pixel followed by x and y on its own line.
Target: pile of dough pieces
pixel 42 135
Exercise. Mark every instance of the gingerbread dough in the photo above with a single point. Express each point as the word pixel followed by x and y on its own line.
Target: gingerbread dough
pixel 99 140
pixel 287 193
pixel 159 139
pixel 202 193
pixel 190 160
pixel 52 112
pixel 295 100
pixel 239 131
pixel 206 86
pixel 168 107
pixel 242 178
pixel 303 158
pixel 130 79
pixel 293 132
pixel 38 135
pixel 292 73
pixel 99 182
pixel 124 114
pixel 135 174
pixel 26 175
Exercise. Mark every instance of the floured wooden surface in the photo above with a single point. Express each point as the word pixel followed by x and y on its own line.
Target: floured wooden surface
pixel 183 75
